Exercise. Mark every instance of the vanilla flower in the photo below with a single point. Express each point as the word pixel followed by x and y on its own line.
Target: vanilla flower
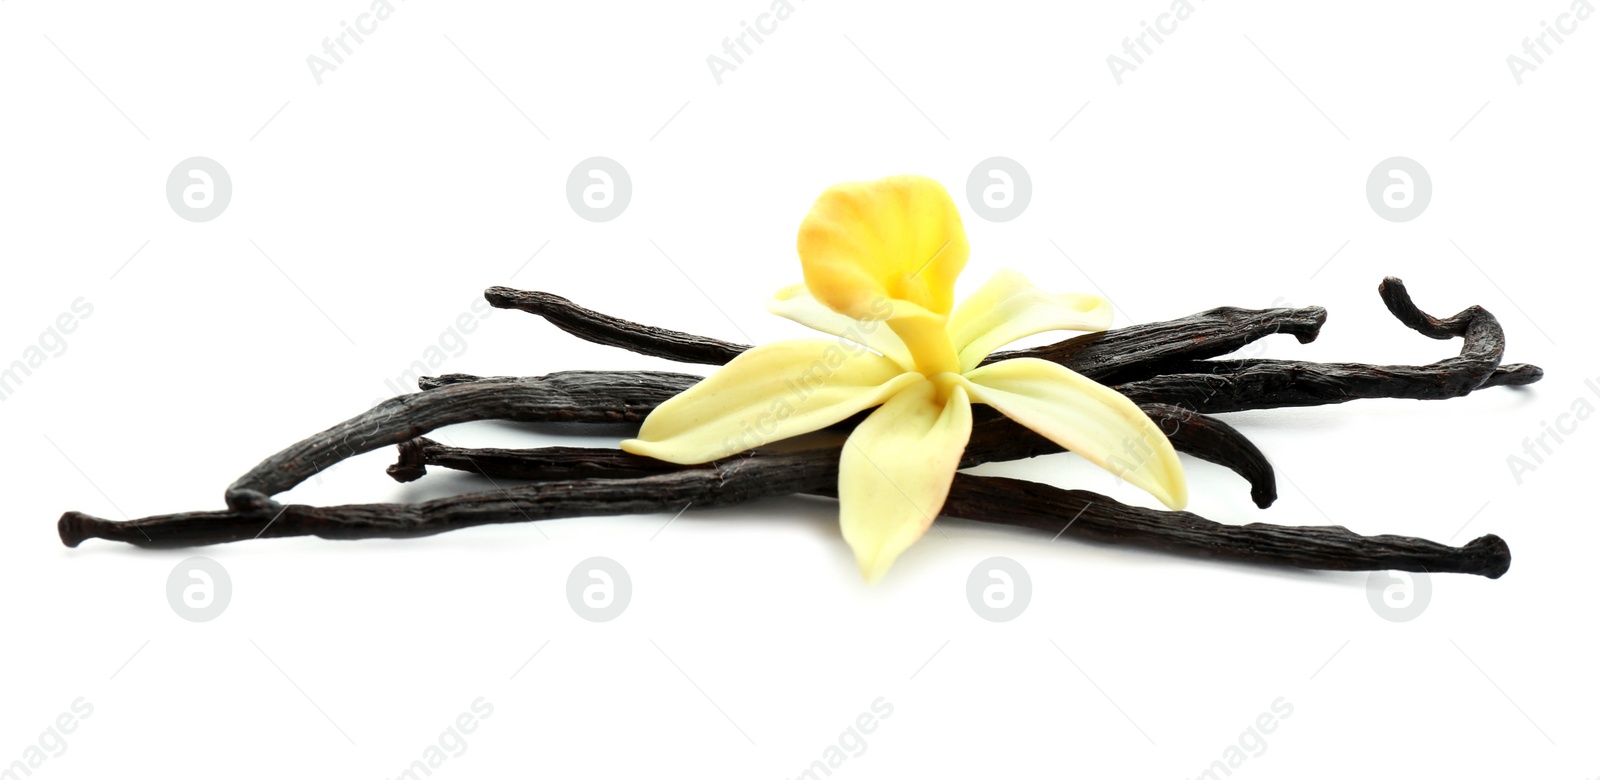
pixel 880 261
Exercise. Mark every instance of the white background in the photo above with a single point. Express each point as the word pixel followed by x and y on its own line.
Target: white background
pixel 1229 168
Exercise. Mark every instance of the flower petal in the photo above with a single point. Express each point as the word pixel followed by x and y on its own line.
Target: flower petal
pixel 768 393
pixel 1085 417
pixel 797 303
pixel 1009 307
pixel 898 238
pixel 895 472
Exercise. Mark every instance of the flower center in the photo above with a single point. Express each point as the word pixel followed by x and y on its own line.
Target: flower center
pixel 929 343
pixel 943 384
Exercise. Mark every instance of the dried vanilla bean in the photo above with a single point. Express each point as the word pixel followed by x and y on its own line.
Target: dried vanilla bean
pixel 568 396
pixel 993 439
pixel 998 438
pixel 1211 439
pixel 542 464
pixel 625 398
pixel 1287 383
pixel 1140 351
pixel 1034 505
pixel 1505 375
pixel 987 499
pixel 1229 386
pixel 730 482
pixel 1120 354
pixel 1045 507
pixel 599 328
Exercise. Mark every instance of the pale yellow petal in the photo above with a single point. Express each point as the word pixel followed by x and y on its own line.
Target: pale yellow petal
pixel 895 472
pixel 770 392
pixel 1009 307
pixel 898 238
pixel 1085 417
pixel 797 303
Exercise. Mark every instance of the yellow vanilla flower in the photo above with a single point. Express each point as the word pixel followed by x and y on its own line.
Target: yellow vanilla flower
pixel 888 252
